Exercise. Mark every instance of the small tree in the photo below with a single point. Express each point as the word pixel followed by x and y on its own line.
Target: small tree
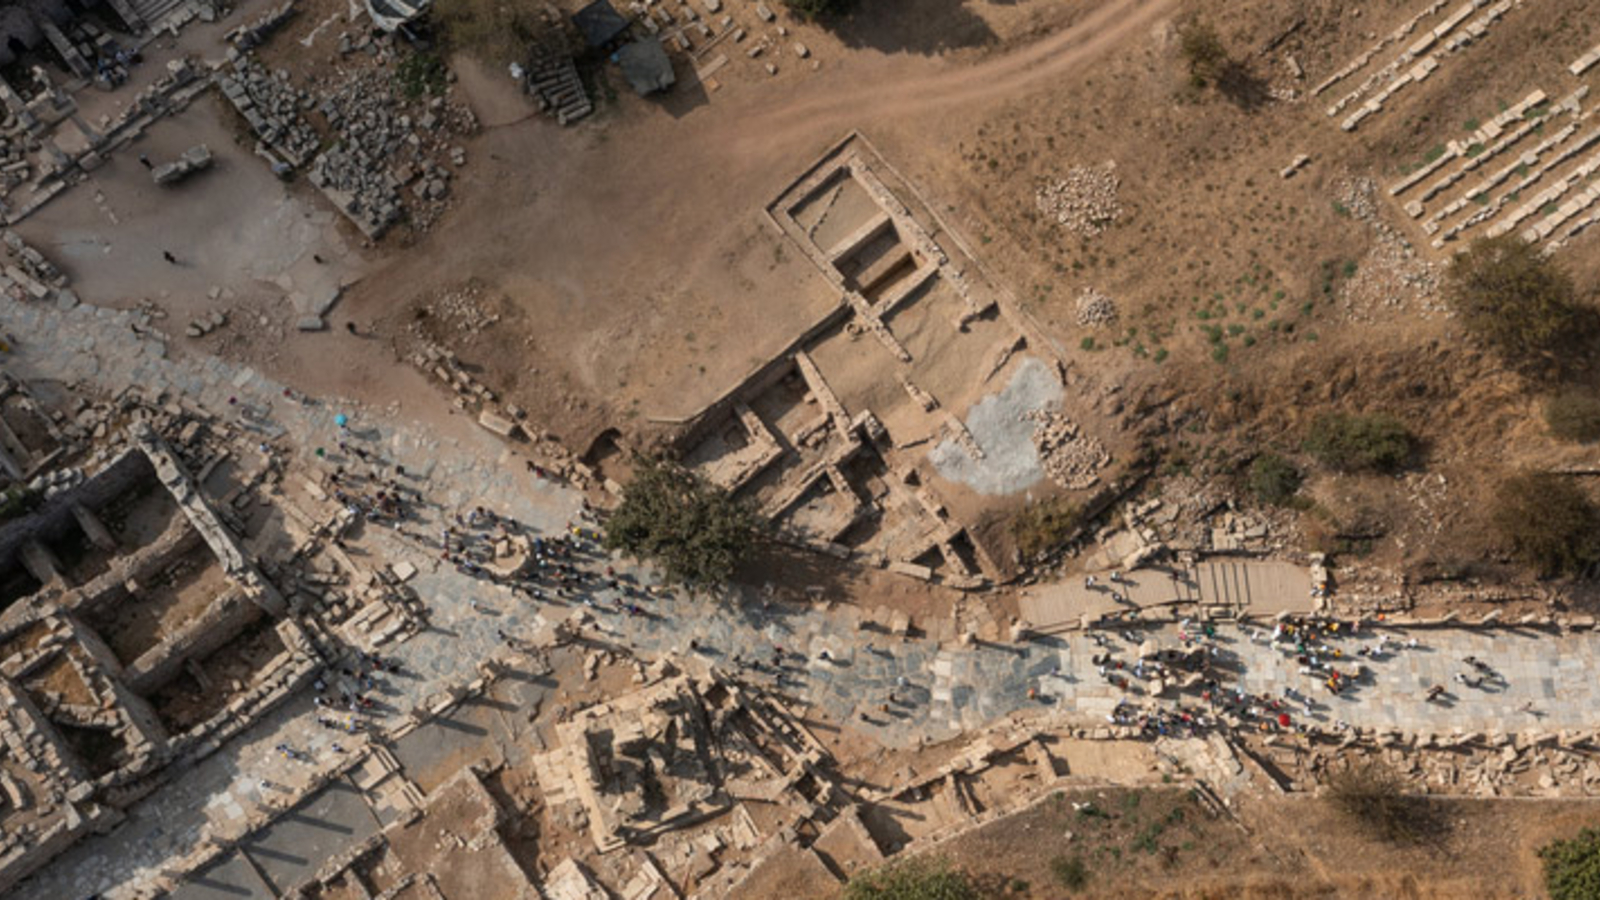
pixel 1551 524
pixel 1273 479
pixel 1574 415
pixel 1202 50
pixel 1358 443
pixel 693 529
pixel 1572 867
pixel 1374 797
pixel 914 879
pixel 1512 298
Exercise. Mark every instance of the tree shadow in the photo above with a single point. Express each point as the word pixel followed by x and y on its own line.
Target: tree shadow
pixel 928 27
pixel 1239 83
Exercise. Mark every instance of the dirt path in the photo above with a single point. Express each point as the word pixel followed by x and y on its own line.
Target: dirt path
pixel 1006 76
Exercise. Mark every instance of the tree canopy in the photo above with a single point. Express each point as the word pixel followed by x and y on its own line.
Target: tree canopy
pixel 1551 524
pixel 693 529
pixel 1513 298
pixel 1202 50
pixel 1356 443
pixel 1572 867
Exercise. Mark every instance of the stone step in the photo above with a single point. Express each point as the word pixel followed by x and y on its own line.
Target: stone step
pixel 154 11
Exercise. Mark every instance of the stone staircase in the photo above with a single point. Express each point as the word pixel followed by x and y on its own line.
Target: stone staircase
pixel 153 12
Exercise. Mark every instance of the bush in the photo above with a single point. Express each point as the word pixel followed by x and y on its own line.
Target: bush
pixel 1044 525
pixel 1273 479
pixel 1572 867
pixel 1549 521
pixel 916 879
pixel 421 73
pixel 1374 798
pixel 492 31
pixel 1513 299
pixel 1574 415
pixel 1202 50
pixel 1354 443
pixel 1070 872
pixel 693 529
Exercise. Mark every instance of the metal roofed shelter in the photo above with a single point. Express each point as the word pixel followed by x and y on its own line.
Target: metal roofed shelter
pixel 600 23
pixel 646 66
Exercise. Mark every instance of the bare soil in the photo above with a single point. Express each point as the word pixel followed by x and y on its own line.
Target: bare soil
pixel 1159 843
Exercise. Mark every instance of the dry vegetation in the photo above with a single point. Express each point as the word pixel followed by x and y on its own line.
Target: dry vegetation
pixel 1268 332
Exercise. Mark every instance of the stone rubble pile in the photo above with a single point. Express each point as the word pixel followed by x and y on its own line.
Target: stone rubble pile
pixel 31 262
pixel 1095 308
pixel 1084 201
pixel 273 107
pixel 458 311
pixel 380 144
pixel 1391 275
pixel 1071 458
pixel 385 145
pixel 354 172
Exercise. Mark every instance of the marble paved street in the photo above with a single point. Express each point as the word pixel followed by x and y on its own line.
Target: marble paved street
pixel 830 663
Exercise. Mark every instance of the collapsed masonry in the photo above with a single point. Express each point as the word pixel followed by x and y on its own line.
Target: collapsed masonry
pixel 504 419
pixel 678 753
pixel 135 632
pixel 374 143
pixel 828 438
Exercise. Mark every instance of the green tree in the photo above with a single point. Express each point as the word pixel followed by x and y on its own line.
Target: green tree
pixel 1360 443
pixel 693 529
pixel 1572 867
pixel 915 879
pixel 1551 524
pixel 1273 479
pixel 1514 299
pixel 1202 50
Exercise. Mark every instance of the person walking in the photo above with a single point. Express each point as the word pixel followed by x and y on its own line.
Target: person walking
pixel 167 255
pixel 145 161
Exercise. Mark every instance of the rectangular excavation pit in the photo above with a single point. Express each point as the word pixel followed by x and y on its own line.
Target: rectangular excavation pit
pixel 203 687
pixel 834 212
pixel 60 680
pixel 16 582
pixel 823 512
pixel 185 585
pixel 873 268
pixel 784 407
pixel 81 561
pixel 26 433
pixel 98 749
pixel 140 515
